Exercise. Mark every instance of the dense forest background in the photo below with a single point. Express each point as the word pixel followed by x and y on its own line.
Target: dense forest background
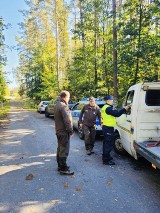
pixel 89 47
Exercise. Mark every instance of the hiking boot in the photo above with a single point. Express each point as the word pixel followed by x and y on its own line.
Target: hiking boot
pixel 66 172
pixel 59 168
pixel 88 152
pixel 92 151
pixel 110 163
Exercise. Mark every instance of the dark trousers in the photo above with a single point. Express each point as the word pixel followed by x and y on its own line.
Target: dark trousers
pixel 63 150
pixel 89 136
pixel 108 140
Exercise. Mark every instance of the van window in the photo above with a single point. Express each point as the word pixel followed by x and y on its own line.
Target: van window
pixel 129 100
pixel 130 96
pixel 152 98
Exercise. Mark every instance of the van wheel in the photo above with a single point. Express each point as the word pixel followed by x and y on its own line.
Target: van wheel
pixel 46 114
pixel 80 133
pixel 118 147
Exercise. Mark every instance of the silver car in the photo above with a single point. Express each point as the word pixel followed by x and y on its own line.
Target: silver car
pixel 41 106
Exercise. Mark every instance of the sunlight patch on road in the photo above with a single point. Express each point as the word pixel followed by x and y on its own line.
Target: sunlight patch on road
pixel 6 157
pixel 3 208
pixel 43 155
pixel 35 206
pixel 21 132
pixel 11 168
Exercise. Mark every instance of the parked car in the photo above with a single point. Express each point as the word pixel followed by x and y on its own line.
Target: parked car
pixel 75 111
pixel 41 106
pixel 49 110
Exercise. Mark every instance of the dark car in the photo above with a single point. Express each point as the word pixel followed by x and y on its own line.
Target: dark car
pixel 49 110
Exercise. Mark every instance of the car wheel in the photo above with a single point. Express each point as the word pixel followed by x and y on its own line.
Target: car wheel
pixel 80 133
pixel 118 147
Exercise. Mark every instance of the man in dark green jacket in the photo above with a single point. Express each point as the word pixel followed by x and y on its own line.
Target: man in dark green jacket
pixel 88 116
pixel 64 129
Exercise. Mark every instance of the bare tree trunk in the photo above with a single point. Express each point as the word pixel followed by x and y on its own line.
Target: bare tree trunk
pixel 115 80
pixel 57 46
pixel 139 40
pixel 95 50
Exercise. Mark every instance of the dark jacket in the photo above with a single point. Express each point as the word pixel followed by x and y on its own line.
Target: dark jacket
pixel 63 118
pixel 90 113
pixel 115 113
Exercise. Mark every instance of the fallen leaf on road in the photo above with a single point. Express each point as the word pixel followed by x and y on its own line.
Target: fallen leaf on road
pixel 109 184
pixel 78 189
pixel 66 185
pixel 29 177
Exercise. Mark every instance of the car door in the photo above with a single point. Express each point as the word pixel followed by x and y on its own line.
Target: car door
pixel 75 114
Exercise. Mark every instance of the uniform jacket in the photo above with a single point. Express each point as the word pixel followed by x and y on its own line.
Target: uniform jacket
pixel 90 113
pixel 115 113
pixel 63 118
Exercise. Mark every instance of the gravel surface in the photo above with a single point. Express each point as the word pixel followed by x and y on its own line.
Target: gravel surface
pixel 30 182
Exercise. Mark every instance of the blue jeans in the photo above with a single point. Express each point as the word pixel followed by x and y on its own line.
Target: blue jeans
pixel 108 140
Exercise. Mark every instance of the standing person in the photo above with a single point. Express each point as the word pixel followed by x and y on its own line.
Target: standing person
pixel 64 129
pixel 90 112
pixel 109 121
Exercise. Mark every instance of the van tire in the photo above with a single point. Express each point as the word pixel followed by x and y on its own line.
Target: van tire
pixel 118 147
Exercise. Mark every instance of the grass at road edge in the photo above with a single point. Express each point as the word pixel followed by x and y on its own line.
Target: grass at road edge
pixel 4 110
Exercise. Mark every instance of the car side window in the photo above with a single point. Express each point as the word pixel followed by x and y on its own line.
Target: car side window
pixel 80 106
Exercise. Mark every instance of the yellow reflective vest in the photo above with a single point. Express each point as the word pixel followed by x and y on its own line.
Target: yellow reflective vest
pixel 108 120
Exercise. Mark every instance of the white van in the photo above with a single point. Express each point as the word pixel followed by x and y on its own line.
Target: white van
pixel 138 130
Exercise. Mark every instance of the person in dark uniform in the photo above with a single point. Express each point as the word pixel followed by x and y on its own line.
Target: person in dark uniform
pixel 64 129
pixel 109 121
pixel 90 112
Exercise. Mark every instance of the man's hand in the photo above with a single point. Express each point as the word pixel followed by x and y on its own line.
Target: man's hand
pixel 80 125
pixel 127 107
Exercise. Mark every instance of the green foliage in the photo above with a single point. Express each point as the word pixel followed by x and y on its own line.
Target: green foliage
pixel 52 58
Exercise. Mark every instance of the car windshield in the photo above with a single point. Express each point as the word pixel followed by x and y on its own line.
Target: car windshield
pixel 100 105
pixel 45 102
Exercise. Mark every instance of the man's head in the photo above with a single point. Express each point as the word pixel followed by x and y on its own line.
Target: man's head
pixel 91 101
pixel 109 99
pixel 65 95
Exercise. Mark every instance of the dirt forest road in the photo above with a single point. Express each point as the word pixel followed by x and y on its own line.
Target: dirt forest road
pixel 30 182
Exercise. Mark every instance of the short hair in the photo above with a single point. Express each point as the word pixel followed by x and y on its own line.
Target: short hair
pixel 64 94
pixel 91 98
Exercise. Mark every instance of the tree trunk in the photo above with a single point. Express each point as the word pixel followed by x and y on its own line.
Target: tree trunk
pixel 57 46
pixel 139 40
pixel 115 81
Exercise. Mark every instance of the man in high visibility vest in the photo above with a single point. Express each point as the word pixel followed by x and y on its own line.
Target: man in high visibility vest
pixel 109 121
